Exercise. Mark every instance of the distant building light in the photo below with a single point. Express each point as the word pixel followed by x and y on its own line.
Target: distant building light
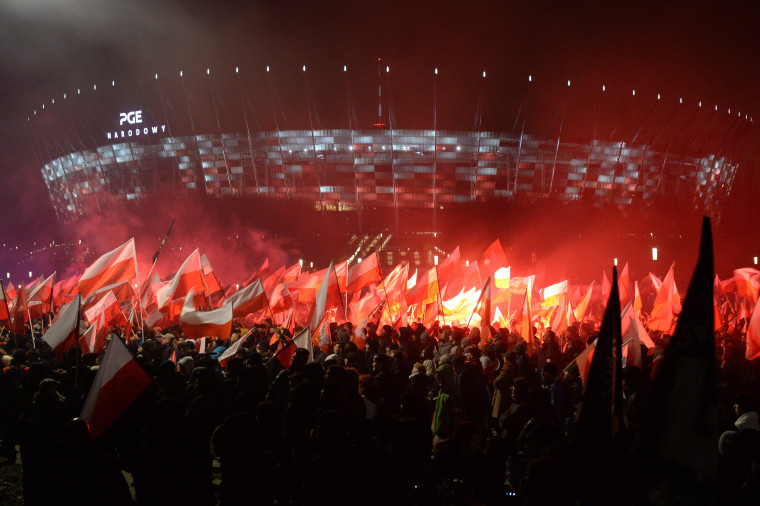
pixel 654 253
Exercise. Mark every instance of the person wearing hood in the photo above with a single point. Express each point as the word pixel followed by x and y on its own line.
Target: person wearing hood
pixel 448 404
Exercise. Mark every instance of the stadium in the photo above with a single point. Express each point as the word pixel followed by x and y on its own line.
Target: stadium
pixel 179 137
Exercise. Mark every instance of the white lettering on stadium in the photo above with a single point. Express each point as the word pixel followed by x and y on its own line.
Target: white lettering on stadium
pixel 136 132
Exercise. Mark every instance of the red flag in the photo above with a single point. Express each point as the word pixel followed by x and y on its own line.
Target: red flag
pixel 200 345
pixel 197 324
pixel 250 299
pixel 211 280
pixel 666 302
pixel 292 273
pixel 493 258
pixel 63 332
pixel 118 382
pixel 471 277
pixel 262 273
pixel 113 267
pixel 109 307
pixel 280 299
pixel 450 273
pixel 65 290
pixel 21 310
pixel 624 285
pixel 43 292
pixel 94 338
pixel 273 279
pixel 364 273
pixel 5 313
pixel 394 286
pixel 425 290
pixel 10 291
pixel 232 350
pixel 753 335
pixel 328 296
pixel 580 309
pixel 189 278
pixel 747 283
pixel 485 311
pixel 341 271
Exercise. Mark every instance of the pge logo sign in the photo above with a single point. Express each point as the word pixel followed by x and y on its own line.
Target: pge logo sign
pixel 131 117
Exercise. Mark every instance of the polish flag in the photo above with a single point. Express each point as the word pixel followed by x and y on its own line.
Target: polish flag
pixel 636 298
pixel 250 299
pixel 21 310
pixel 273 280
pixel 624 285
pixel 119 381
pixel 262 273
pixel 10 291
pixel 584 359
pixel 328 296
pixel 63 332
pixel 425 290
pixel 582 307
pixel 364 273
pixel 200 345
pixel 233 350
pixel 753 335
pixel 113 267
pixel 606 287
pixel 197 324
pixel 363 307
pixel 292 273
pixel 306 288
pixel 411 280
pixel 188 278
pixel 122 291
pixel 280 299
pixel 493 258
pixel 471 277
pixel 394 286
pixel 94 338
pixel 450 272
pixel 65 290
pixel 5 313
pixel 485 311
pixel 341 272
pixel 747 282
pixel 211 280
pixel 43 292
pixel 109 307
pixel 665 304
pixel 633 333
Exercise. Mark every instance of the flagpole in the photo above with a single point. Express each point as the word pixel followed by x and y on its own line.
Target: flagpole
pixel 478 303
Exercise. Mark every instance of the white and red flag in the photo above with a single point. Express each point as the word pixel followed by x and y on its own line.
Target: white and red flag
pixel 753 335
pixel 63 332
pixel 10 291
pixel 425 290
pixel 65 290
pixel 109 307
pixel 208 272
pixel 113 267
pixel 450 273
pixel 5 313
pixel 667 301
pixel 233 350
pixel 250 299
pixel 119 381
pixel 364 273
pixel 94 338
pixel 582 307
pixel 493 259
pixel 188 278
pixel 197 324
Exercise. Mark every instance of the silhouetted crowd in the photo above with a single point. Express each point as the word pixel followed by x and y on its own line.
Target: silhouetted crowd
pixel 417 416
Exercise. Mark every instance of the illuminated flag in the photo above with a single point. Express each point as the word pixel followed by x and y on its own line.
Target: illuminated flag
pixel 94 338
pixel 394 287
pixel 485 311
pixel 188 278
pixel 197 324
pixel 493 258
pixel 666 302
pixel 327 297
pixel 753 335
pixel 63 333
pixel 65 290
pixel 113 267
pixel 118 382
pixel 261 274
pixel 425 290
pixel 582 307
pixel 109 307
pixel 280 299
pixel 450 273
pixel 292 273
pixel 5 313
pixel 250 299
pixel 364 273
pixel 233 350
pixel 211 280
pixel 10 291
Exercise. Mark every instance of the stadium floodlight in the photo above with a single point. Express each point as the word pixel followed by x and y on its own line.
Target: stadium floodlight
pixel 654 253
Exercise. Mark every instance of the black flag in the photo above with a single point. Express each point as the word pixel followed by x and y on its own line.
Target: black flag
pixel 155 257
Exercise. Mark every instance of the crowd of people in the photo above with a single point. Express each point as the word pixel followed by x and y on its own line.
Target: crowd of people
pixel 417 416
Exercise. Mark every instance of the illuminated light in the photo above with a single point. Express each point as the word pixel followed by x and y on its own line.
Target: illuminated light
pixel 180 73
pixel 654 253
pixel 64 96
pixel 52 101
pixel 700 103
pixel 634 93
pixel 135 285
pixel 604 88
pixel 739 114
pixel 680 100
pixel 156 77
pixel 113 83
pixel 716 107
pixel 658 96
pixel 300 262
pixel 237 70
pixel 436 71
pixel 614 261
pixel 79 92
pixel 303 68
pixel 267 68
pixel 311 265
pixel 729 110
pixel 568 82
pixel 35 112
pixel 459 148
pixel 484 74
pixel 237 286
pixel 755 263
pixel 208 71
pixel 80 241
pixel 43 106
pixel 358 260
pixel 30 274
pixel 8 274
pixel 466 263
pixel 530 78
pixel 435 260
pixel 94 86
pixel 387 69
pixel 435 234
pixel 345 68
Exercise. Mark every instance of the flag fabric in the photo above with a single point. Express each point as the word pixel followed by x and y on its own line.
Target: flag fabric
pixel 450 272
pixel 118 382
pixel 471 277
pixel 665 304
pixel 605 286
pixel 341 271
pixel 109 307
pixel 637 304
pixel 233 350
pixel 394 286
pixel 189 277
pixel 262 273
pixel 493 258
pixel 582 307
pixel 624 285
pixel 113 267
pixel 635 334
pixel 65 290
pixel 250 299
pixel 753 335
pixel 94 338
pixel 525 317
pixel 21 310
pixel 292 273
pixel 11 291
pixel 584 359
pixel 211 280
pixel 303 340
pixel 681 423
pixel 602 399
pixel 425 290
pixel 200 345
pixel 746 282
pixel 197 324
pixel 485 311
pixel 5 313
pixel 321 298
pixel 63 332
pixel 43 291
pixel 364 273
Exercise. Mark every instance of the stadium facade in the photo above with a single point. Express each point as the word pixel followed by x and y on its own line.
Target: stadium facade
pixel 133 154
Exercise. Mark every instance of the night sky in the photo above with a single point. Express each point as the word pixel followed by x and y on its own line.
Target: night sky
pixel 698 51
